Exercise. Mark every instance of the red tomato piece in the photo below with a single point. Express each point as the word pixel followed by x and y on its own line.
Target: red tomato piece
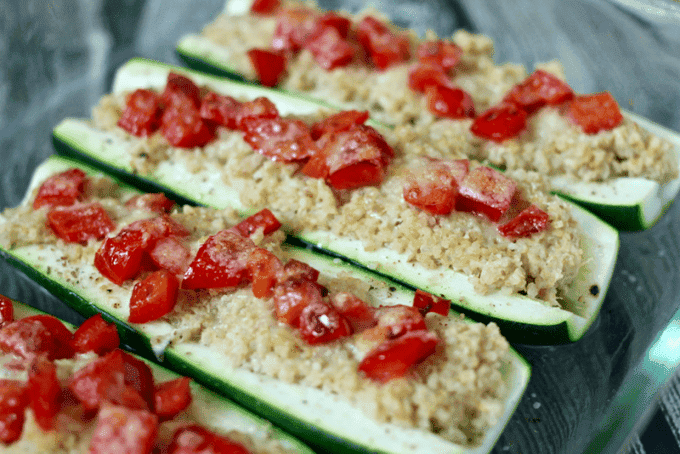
pixel 422 76
pixel 539 89
pixel 96 335
pixel 433 189
pixel 270 65
pixel 257 108
pixel 333 20
pixel 295 269
pixel 500 123
pixel 80 223
pixel 62 189
pixel 393 358
pixel 183 127
pixel 320 323
pixel 384 47
pixel 119 258
pixel 138 376
pixel 103 379
pixel 222 261
pixel 44 390
pixel 153 229
pixel 263 219
pixel 180 91
pixel 172 397
pixel 6 311
pixel 153 297
pixel 400 319
pixel 124 430
pixel 264 6
pixel 292 296
pixel 330 49
pixel 293 28
pixel 36 335
pixel 142 114
pixel 316 167
pixel 13 401
pixel 427 302
pixel 449 102
pixel 220 110
pixel 529 221
pixel 170 254
pixel 338 122
pixel 595 113
pixel 486 191
pixel 443 54
pixel 280 139
pixel 263 271
pixel 194 439
pixel 155 202
pixel 359 314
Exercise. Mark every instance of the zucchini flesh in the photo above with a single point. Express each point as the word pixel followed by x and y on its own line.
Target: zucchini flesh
pixel 321 419
pixel 522 319
pixel 628 204
pixel 207 408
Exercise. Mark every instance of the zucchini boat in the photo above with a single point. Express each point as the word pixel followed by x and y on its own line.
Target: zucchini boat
pixel 628 199
pixel 207 409
pixel 522 318
pixel 322 418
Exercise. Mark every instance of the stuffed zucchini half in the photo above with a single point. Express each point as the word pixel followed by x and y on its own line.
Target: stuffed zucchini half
pixel 230 340
pixel 627 176
pixel 200 179
pixel 199 411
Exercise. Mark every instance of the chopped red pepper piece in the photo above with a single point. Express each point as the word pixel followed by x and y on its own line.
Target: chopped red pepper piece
pixel 172 397
pixel 96 335
pixel 500 123
pixel 270 65
pixel 449 102
pixel 142 114
pixel 153 297
pixel 539 89
pixel 426 302
pixel 44 390
pixel 595 113
pixel 486 191
pixel 80 223
pixel 529 221
pixel 393 358
pixel 62 189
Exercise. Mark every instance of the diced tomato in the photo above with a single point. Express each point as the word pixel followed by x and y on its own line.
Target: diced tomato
pixel 80 223
pixel 138 376
pixel 529 221
pixel 220 110
pixel 359 314
pixel 263 271
pixel 153 297
pixel 393 358
pixel 443 54
pixel 96 335
pixel 539 89
pixel 36 335
pixel 257 108
pixel 422 76
pixel 119 258
pixel 292 296
pixel 172 255
pixel 142 114
pixel 384 47
pixel 295 269
pixel 280 139
pixel 264 6
pixel 330 49
pixel 194 439
pixel 222 261
pixel 459 168
pixel 180 90
pixel 316 167
pixel 154 202
pixel 333 20
pixel 124 430
pixel 183 127
pixel 154 229
pixel 427 302
pixel 263 219
pixel 500 123
pixel 486 191
pixel 400 319
pixel 595 113
pixel 44 390
pixel 6 311
pixel 62 189
pixel 293 28
pixel 103 379
pixel 270 65
pixel 172 397
pixel 338 122
pixel 449 102
pixel 320 323
pixel 433 189
pixel 13 401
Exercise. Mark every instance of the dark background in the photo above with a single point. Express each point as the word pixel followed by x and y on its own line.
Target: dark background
pixel 58 57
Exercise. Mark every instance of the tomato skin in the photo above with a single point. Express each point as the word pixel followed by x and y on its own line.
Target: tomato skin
pixel 170 254
pixel 292 296
pixel 62 189
pixel 220 110
pixel 263 270
pixel 96 335
pixel 433 189
pixel 320 324
pixel 153 297
pixel 183 127
pixel 220 262
pixel 383 47
pixel 264 219
pixel 257 108
pixel 443 54
pixel 426 302
pixel 539 89
pixel 80 223
pixel 123 430
pixel 486 191
pixel 14 399
pixel 172 397
pixel 119 258
pixel 499 123
pixel 341 121
pixel 180 91
pixel 449 102
pixel 154 202
pixel 595 113
pixel 264 6
pixel 45 391
pixel 35 335
pixel 194 439
pixel 333 20
pixel 142 114
pixel 330 49
pixel 100 380
pixel 279 139
pixel 269 65
pixel 529 221
pixel 422 76
pixel 295 269
pixel 6 311
pixel 393 358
